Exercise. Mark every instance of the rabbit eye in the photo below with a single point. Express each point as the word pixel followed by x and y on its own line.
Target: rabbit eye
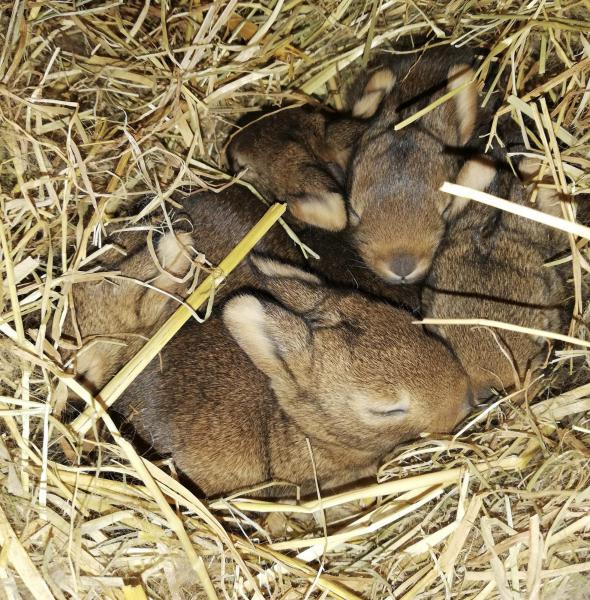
pixel 237 164
pixel 395 412
pixel 398 408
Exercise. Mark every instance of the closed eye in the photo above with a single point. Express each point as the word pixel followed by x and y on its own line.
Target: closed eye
pixel 236 164
pixel 394 412
pixel 380 407
pixel 390 409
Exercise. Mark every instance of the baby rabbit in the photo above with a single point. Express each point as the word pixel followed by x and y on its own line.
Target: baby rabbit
pixel 299 156
pixel 491 266
pixel 115 317
pixel 397 213
pixel 293 375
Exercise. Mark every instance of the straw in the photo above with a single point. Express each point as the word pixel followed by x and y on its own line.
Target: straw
pixel 517 209
pixel 508 327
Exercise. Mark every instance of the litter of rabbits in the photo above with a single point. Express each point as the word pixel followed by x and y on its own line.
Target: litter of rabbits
pixel 104 104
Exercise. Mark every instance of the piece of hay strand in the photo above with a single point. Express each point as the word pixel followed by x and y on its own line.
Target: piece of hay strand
pixel 21 561
pixel 438 102
pixel 134 592
pixel 517 209
pixel 508 327
pixel 121 381
pixel 460 529
pixel 323 582
pixel 376 490
pixel 533 580
pixel 375 520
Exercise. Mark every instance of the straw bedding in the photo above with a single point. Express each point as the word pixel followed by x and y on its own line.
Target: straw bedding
pixel 104 102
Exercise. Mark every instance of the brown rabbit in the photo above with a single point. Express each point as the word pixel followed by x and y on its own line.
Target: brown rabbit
pixel 292 377
pixel 114 317
pixel 491 266
pixel 299 155
pixel 397 213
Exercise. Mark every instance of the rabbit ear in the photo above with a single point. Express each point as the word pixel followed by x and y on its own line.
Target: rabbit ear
pixel 323 209
pixel 271 267
pixel 378 86
pixel 454 121
pixel 548 200
pixel 293 287
pixel 268 333
pixel 275 333
pixel 476 173
pixel 173 255
pixel 462 77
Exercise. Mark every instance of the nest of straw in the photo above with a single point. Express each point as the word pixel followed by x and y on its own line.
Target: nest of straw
pixel 103 102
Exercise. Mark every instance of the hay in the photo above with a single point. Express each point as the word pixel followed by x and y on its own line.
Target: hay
pixel 103 103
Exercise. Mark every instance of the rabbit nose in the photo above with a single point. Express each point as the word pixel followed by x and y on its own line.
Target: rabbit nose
pixel 403 265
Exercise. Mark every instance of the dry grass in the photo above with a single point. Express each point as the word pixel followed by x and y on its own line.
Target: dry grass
pixel 103 102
